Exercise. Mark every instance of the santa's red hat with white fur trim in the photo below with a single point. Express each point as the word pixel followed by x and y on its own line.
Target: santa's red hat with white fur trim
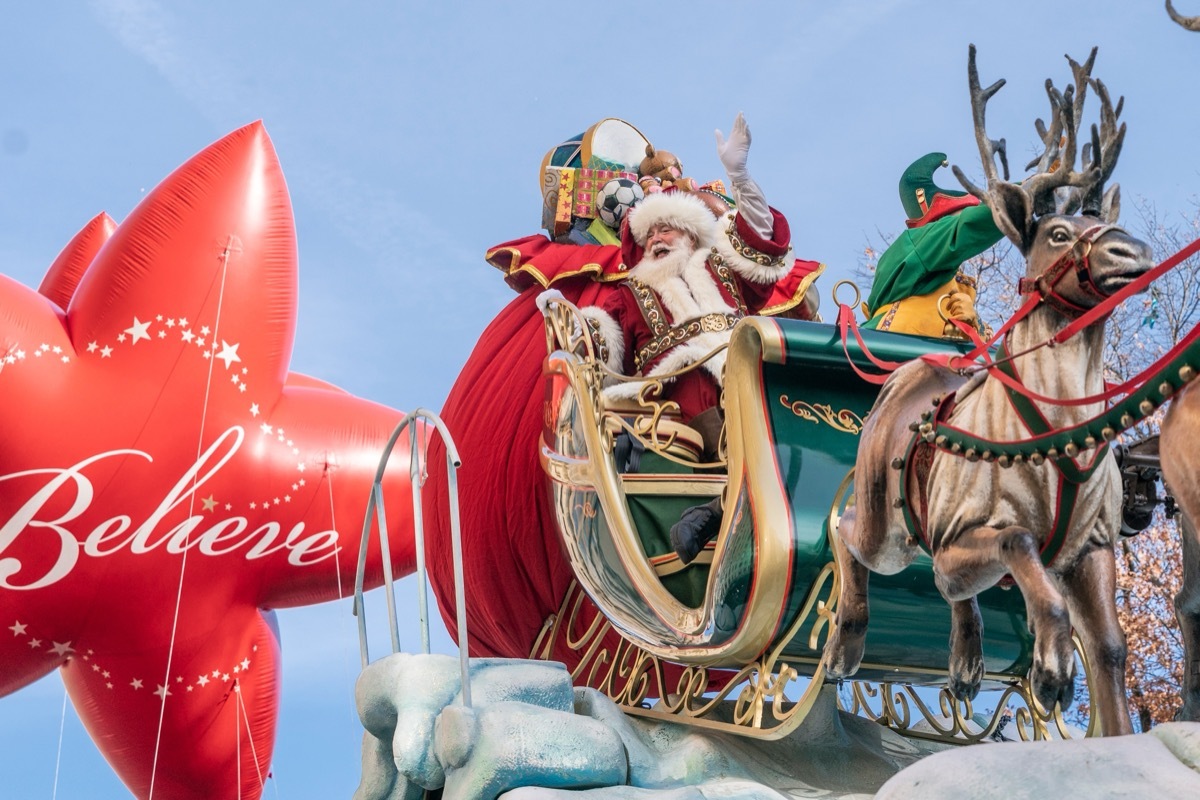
pixel 680 210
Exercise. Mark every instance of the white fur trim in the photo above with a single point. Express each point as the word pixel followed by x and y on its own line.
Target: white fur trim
pixel 748 268
pixel 624 390
pixel 681 211
pixel 687 294
pixel 611 333
pixel 692 351
pixel 682 356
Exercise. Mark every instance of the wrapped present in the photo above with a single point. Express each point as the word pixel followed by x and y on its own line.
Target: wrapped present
pixel 606 150
pixel 558 193
pixel 588 182
pixel 570 193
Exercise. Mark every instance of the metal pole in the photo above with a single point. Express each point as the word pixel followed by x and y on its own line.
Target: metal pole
pixel 385 553
pixel 414 478
pixel 460 591
pixel 359 578
pixel 375 495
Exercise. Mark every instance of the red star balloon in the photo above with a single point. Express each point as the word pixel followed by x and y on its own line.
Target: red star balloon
pixel 165 482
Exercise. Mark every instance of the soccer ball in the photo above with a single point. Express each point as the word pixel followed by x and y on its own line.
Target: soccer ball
pixel 614 200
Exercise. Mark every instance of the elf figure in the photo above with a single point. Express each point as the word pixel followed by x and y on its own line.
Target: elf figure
pixel 918 283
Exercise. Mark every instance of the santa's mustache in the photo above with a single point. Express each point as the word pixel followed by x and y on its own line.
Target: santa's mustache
pixel 667 259
pixel 660 250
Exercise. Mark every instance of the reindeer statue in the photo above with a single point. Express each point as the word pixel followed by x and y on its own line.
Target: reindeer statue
pixel 1181 470
pixel 1181 473
pixel 984 518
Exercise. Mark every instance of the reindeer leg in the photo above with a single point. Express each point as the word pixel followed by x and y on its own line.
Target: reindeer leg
pixel 966 649
pixel 1187 611
pixel 844 649
pixel 1091 591
pixel 977 560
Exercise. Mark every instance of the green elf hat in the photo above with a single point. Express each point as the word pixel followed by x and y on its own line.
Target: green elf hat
pixel 923 200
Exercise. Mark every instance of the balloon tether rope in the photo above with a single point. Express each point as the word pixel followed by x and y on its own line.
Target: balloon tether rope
pixel 62 723
pixel 232 245
pixel 244 716
pixel 337 561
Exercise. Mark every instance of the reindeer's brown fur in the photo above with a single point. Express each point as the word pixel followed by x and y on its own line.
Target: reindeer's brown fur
pixel 1181 470
pixel 985 521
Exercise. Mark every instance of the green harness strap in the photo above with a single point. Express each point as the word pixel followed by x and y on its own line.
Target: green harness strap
pixel 1071 474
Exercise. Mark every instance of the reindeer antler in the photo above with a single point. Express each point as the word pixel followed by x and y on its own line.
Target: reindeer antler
pixel 1101 157
pixel 1190 23
pixel 989 149
pixel 1051 137
pixel 1055 166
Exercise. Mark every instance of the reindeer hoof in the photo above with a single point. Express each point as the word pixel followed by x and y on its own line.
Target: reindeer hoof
pixel 1054 680
pixel 844 650
pixel 1051 690
pixel 1053 673
pixel 1188 712
pixel 840 664
pixel 965 678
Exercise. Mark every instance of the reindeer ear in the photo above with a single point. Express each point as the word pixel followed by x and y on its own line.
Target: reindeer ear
pixel 1110 207
pixel 1012 212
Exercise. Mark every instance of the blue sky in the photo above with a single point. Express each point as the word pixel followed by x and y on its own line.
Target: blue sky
pixel 411 133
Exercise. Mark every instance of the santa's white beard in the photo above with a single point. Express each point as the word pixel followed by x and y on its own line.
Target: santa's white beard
pixel 669 264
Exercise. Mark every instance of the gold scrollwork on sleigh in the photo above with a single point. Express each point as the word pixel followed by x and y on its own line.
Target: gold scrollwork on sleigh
pixel 902 708
pixel 753 701
pixel 843 420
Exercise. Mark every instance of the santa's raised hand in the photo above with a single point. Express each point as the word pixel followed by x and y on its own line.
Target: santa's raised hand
pixel 751 203
pixel 734 150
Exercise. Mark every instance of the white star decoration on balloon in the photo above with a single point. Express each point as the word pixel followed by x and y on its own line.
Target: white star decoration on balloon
pixel 56 650
pixel 138 331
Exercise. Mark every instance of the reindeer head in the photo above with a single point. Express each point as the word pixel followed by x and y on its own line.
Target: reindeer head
pixel 1062 220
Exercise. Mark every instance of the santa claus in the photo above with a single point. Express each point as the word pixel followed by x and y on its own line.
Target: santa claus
pixel 694 275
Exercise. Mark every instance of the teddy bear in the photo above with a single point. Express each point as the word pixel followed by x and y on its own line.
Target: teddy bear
pixel 660 170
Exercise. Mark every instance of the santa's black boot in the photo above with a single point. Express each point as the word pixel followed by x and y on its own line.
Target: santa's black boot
pixel 697 526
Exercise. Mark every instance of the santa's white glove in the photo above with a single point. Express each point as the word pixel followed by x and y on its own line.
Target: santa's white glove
pixel 752 205
pixel 545 298
pixel 543 302
pixel 734 150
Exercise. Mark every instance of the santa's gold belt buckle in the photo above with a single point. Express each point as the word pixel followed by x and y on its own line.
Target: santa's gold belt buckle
pixel 714 323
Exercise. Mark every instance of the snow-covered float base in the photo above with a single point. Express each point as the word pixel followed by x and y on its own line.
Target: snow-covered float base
pixel 530 735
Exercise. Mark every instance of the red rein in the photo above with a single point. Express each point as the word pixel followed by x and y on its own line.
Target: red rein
pixel 1040 289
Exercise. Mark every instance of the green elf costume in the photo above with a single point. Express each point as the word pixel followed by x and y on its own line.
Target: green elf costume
pixel 920 268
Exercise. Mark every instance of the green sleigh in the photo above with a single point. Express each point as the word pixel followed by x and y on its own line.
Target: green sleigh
pixel 747 621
